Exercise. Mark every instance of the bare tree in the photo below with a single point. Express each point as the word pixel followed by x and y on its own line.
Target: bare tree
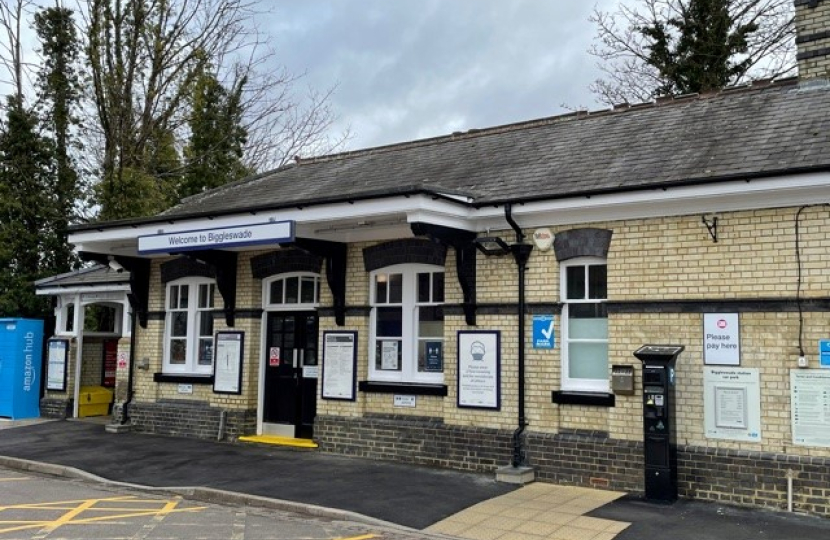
pixel 12 20
pixel 624 45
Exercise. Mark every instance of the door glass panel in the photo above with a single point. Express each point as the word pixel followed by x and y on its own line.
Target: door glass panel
pixel 174 297
pixel 292 292
pixel 307 290
pixel 206 324
pixel 276 292
pixel 431 321
pixel 588 360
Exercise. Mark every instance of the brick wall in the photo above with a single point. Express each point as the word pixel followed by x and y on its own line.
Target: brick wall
pixel 813 39
pixel 189 419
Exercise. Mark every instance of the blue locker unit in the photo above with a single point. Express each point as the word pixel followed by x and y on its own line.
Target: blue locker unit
pixel 21 357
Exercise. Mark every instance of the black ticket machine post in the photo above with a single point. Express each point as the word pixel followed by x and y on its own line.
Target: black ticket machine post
pixel 660 431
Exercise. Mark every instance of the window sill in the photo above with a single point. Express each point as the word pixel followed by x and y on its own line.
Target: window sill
pixel 597 399
pixel 412 389
pixel 182 378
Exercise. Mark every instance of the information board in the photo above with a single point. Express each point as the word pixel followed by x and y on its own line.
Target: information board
pixel 339 365
pixel 58 350
pixel 732 403
pixel 479 369
pixel 810 406
pixel 227 368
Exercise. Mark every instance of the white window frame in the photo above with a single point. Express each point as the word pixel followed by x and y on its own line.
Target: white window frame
pixel 191 365
pixel 292 306
pixel 579 384
pixel 410 338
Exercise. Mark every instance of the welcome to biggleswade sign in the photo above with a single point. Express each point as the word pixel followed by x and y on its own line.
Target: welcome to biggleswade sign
pixel 218 237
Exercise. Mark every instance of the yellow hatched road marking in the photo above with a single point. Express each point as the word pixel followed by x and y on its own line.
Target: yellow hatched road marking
pixel 73 511
pixel 363 537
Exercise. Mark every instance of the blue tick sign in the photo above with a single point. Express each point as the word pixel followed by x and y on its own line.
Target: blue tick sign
pixel 824 353
pixel 543 337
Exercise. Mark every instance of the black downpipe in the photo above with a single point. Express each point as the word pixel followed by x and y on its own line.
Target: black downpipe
pixel 125 409
pixel 521 253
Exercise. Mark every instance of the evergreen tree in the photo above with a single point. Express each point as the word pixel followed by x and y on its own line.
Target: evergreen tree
pixel 58 94
pixel 694 51
pixel 26 170
pixel 217 137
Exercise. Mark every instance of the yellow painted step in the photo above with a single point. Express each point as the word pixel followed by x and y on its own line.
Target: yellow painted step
pixel 279 441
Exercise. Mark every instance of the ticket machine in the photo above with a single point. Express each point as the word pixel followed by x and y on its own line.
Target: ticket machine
pixel 659 421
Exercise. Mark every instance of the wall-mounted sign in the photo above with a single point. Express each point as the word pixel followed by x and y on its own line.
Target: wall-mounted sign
pixel 185 389
pixel 404 401
pixel 479 369
pixel 732 403
pixel 274 357
pixel 824 353
pixel 543 337
pixel 221 237
pixel 110 363
pixel 721 339
pixel 227 368
pixel 58 351
pixel 339 365
pixel 810 406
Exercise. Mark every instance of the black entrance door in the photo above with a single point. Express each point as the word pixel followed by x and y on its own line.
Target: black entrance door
pixel 291 371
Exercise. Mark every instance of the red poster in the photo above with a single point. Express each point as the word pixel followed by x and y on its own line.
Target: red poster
pixel 274 357
pixel 110 362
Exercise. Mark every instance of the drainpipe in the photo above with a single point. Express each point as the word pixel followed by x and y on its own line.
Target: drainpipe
pixel 521 253
pixel 125 408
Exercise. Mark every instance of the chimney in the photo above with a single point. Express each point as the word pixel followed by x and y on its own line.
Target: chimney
pixel 812 27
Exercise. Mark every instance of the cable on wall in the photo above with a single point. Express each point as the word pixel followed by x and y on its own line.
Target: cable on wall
pixel 798 299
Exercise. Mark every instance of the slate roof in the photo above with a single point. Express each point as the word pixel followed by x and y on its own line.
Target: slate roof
pixel 85 277
pixel 745 132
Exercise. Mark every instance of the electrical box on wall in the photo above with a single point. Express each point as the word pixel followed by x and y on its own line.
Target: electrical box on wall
pixel 622 380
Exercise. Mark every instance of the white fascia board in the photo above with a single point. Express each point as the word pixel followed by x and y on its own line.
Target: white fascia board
pixel 314 217
pixel 737 195
pixel 58 291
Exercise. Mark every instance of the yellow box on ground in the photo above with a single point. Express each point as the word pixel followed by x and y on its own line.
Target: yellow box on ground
pixel 94 401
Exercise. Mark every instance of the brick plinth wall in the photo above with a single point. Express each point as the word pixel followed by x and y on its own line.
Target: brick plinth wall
pixel 189 419
pixel 417 440
pixel 737 477
pixel 55 408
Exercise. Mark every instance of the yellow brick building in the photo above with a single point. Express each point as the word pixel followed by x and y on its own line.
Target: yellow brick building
pixel 464 301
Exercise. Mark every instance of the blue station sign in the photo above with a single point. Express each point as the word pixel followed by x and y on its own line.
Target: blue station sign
pixel 543 336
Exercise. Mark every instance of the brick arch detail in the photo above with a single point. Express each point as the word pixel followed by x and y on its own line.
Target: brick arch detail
pixel 283 261
pixel 405 251
pixel 582 243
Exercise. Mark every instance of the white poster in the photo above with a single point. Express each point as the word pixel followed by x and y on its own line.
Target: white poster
pixel 479 376
pixel 732 403
pixel 810 406
pixel 227 367
pixel 721 339
pixel 339 365
pixel 389 355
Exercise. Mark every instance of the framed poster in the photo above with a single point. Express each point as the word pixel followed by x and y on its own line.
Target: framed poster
pixel 339 365
pixel 810 407
pixel 58 352
pixel 479 369
pixel 227 366
pixel 732 403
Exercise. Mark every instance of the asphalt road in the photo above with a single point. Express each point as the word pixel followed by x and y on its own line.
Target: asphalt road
pixel 395 492
pixel 34 507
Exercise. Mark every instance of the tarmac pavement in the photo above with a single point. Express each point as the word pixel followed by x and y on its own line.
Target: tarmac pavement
pixel 447 502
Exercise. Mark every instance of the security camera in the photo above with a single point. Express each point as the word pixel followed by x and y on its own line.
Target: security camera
pixel 115 265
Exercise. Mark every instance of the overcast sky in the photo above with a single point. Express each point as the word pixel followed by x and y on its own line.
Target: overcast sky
pixel 408 69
